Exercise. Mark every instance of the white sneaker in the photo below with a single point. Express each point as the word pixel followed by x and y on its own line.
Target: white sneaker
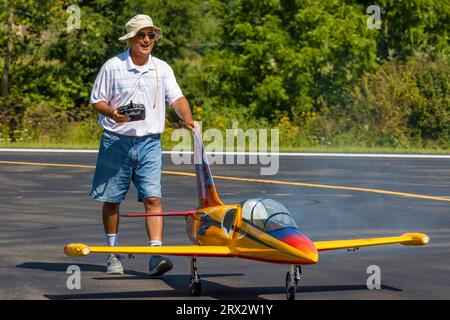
pixel 114 264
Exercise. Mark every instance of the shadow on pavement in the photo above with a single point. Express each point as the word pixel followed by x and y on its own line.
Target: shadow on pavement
pixel 179 285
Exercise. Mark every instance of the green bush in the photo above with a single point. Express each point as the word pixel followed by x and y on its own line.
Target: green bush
pixel 402 103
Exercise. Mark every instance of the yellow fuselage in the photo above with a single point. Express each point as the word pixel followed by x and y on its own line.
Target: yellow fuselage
pixel 223 226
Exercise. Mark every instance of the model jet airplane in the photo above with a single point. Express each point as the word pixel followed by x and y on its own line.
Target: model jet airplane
pixel 258 229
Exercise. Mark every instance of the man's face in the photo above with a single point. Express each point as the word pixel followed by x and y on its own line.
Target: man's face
pixel 142 43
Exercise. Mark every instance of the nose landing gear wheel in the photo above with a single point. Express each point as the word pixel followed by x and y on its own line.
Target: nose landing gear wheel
pixel 290 294
pixel 291 286
pixel 292 278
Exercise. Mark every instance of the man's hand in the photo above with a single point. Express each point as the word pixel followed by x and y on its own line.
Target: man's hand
pixel 105 109
pixel 181 107
pixel 117 117
pixel 189 124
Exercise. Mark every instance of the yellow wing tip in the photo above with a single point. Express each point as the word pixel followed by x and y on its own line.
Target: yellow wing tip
pixel 76 250
pixel 415 239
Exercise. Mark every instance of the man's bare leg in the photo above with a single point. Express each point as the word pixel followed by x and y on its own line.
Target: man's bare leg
pixel 110 214
pixel 111 217
pixel 154 225
pixel 157 265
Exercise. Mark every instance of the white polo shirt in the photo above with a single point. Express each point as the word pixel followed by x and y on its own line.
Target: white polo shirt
pixel 121 81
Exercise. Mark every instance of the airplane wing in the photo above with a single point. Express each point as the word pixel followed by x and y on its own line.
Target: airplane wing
pixel 80 250
pixel 407 239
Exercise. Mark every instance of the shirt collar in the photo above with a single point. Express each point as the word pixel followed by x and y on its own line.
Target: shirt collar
pixel 131 65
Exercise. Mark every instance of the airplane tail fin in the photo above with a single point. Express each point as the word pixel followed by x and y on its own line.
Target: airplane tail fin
pixel 207 194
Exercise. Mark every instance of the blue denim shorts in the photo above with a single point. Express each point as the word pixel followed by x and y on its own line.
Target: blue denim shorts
pixel 122 159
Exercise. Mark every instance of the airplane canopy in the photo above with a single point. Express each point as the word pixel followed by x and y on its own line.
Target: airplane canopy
pixel 267 214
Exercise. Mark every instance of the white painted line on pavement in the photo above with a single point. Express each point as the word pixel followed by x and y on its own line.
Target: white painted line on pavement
pixel 284 154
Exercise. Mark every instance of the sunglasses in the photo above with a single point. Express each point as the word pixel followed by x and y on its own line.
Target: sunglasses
pixel 141 35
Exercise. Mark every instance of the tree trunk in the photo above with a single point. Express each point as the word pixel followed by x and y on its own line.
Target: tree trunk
pixel 9 48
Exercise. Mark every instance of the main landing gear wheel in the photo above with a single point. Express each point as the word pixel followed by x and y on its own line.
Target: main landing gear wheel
pixel 292 278
pixel 195 284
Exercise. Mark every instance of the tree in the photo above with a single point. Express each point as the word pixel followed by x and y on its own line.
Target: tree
pixel 289 56
pixel 25 22
pixel 9 47
pixel 411 26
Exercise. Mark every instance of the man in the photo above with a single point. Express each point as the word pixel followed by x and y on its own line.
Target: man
pixel 131 150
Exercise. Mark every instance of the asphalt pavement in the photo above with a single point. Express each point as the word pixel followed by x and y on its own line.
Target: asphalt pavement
pixel 43 207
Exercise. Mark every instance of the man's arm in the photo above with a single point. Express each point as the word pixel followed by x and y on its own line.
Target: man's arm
pixel 181 107
pixel 105 109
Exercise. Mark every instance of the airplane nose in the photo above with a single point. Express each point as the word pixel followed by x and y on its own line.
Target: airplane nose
pixel 314 256
pixel 295 238
pixel 304 244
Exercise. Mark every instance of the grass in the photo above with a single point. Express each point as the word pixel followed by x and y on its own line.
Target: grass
pixel 322 149
pixel 49 145
pixel 353 149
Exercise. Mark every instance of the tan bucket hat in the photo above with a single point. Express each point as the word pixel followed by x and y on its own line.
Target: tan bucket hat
pixel 137 23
